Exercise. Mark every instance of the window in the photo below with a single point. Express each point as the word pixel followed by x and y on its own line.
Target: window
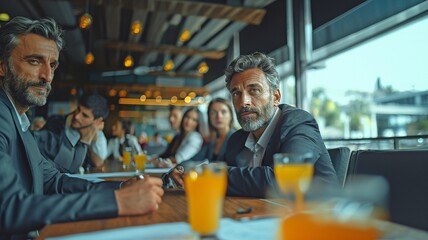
pixel 377 89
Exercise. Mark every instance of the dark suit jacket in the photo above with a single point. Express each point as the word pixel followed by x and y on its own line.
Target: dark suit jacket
pixel 54 145
pixel 33 192
pixel 207 150
pixel 296 132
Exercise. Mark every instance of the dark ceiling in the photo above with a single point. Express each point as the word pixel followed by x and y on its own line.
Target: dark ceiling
pixel 211 25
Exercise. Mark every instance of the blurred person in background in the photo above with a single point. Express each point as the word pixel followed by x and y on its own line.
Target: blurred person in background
pixel 220 123
pixel 122 138
pixel 185 144
pixel 37 123
pixel 175 117
pixel 67 140
pixel 142 140
pixel 157 141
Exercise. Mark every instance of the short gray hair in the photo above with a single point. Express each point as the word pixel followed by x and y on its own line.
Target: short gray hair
pixel 19 26
pixel 254 60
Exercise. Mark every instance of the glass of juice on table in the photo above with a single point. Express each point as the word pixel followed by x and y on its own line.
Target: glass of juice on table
pixel 293 173
pixel 205 187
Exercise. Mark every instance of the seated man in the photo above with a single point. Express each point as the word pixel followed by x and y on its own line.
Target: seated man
pixel 66 140
pixel 267 128
pixel 37 123
pixel 33 192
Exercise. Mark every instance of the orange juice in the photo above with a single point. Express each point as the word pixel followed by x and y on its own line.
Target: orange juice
pixel 293 177
pixel 306 226
pixel 140 161
pixel 205 193
pixel 126 158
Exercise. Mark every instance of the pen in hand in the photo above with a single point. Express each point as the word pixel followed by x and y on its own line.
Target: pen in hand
pixel 129 180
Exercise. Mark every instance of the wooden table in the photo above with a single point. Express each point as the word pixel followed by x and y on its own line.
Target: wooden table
pixel 174 209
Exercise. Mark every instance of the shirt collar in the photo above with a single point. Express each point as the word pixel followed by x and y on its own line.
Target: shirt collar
pixel 24 122
pixel 72 135
pixel 266 135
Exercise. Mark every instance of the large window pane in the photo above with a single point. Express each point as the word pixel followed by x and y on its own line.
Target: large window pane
pixel 377 89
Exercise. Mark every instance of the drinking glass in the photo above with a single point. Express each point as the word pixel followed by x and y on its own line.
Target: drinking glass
pixel 293 173
pixel 140 162
pixel 205 187
pixel 127 157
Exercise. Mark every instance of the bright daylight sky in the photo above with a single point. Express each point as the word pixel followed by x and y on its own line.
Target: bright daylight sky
pixel 399 58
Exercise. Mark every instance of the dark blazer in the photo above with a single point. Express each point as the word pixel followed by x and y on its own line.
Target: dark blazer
pixel 207 150
pixel 54 145
pixel 34 192
pixel 296 132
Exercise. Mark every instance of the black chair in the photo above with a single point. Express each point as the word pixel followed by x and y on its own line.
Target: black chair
pixel 340 159
pixel 407 174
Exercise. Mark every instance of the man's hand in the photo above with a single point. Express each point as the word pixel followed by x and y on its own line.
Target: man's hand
pixel 88 134
pixel 177 176
pixel 139 197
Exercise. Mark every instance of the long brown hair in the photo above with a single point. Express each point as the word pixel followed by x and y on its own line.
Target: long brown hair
pixel 213 131
pixel 182 133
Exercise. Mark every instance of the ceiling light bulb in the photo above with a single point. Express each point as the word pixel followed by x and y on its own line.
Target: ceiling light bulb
pixel 4 17
pixel 73 91
pixel 89 58
pixel 203 68
pixel 185 35
pixel 143 98
pixel 187 99
pixel 123 93
pixel 85 21
pixel 192 95
pixel 112 92
pixel 128 61
pixel 136 28
pixel 169 65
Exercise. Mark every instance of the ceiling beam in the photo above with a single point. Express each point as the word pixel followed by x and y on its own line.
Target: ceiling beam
pixel 165 49
pixel 247 15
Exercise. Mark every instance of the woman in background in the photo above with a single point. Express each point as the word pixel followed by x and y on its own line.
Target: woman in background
pixel 187 143
pixel 220 123
pixel 122 138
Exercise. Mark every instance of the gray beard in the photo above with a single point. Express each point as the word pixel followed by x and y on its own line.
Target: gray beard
pixel 18 88
pixel 263 118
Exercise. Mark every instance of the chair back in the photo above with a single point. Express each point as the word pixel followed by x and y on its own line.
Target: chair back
pixel 407 174
pixel 340 159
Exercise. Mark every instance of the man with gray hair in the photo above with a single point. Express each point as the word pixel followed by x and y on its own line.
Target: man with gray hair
pixel 33 192
pixel 268 127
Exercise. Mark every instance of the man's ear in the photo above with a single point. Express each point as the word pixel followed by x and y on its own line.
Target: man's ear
pixel 276 97
pixel 2 68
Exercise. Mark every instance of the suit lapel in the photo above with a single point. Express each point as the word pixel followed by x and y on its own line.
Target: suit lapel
pixel 274 142
pixel 236 145
pixel 30 146
pixel 33 157
pixel 224 145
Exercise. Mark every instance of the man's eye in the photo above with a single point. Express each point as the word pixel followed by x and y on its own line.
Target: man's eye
pixel 235 94
pixel 33 61
pixel 255 90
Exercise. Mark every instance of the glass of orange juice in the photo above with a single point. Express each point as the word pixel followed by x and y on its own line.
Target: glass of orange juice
pixel 140 162
pixel 293 173
pixel 205 187
pixel 126 157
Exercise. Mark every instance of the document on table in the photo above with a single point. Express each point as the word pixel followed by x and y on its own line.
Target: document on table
pixel 98 177
pixel 229 230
